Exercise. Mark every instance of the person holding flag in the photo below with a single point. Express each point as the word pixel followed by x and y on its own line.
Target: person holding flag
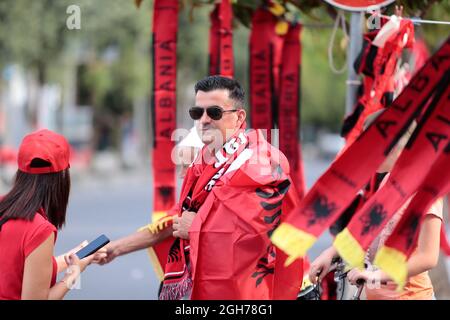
pixel 234 195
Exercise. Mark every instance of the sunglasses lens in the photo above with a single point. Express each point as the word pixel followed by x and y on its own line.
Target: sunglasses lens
pixel 196 113
pixel 214 113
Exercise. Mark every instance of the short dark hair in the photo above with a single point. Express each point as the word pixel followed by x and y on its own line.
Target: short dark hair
pixel 31 192
pixel 210 83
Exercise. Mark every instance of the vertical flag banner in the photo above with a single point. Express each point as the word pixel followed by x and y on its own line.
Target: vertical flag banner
pixel 265 58
pixel 164 49
pixel 289 106
pixel 221 58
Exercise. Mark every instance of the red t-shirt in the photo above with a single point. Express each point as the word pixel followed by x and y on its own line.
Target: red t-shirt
pixel 18 238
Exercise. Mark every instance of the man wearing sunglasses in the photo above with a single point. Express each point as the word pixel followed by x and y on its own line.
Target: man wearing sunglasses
pixel 219 110
pixel 234 195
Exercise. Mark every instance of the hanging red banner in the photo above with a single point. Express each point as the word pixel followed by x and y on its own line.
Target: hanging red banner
pixel 265 59
pixel 289 106
pixel 164 48
pixel 221 59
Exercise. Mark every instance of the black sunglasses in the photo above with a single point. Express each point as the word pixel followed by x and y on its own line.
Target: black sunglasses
pixel 214 112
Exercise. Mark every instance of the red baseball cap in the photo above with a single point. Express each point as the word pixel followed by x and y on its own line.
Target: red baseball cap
pixel 44 145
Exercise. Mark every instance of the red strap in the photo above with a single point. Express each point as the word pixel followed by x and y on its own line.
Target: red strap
pixel 165 26
pixel 289 103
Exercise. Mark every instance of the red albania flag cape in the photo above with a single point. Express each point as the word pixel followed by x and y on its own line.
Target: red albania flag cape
pixel 230 249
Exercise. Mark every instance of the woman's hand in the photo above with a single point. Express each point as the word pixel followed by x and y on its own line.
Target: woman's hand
pixel 61 260
pixel 100 255
pixel 357 277
pixel 321 266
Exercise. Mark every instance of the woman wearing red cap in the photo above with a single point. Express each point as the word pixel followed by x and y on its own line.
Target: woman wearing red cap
pixel 30 215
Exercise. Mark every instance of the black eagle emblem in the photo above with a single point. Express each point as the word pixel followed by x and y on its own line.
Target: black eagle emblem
pixel 320 209
pixel 166 193
pixel 263 268
pixel 373 218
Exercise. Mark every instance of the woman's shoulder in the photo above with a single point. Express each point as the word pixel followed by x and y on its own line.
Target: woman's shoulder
pixel 29 228
pixel 38 230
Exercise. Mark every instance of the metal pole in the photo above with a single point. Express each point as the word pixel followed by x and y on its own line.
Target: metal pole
pixel 356 28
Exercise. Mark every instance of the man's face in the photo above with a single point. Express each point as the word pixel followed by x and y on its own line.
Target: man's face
pixel 217 132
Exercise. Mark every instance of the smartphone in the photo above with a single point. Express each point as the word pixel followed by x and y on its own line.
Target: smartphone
pixel 93 247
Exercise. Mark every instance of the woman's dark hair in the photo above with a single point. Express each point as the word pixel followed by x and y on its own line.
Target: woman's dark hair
pixel 32 192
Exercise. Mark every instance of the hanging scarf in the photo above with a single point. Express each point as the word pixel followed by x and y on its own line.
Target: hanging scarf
pixel 289 103
pixel 164 103
pixel 362 197
pixel 164 51
pixel 379 67
pixel 393 255
pixel 265 59
pixel 424 147
pixel 221 61
pixel 335 189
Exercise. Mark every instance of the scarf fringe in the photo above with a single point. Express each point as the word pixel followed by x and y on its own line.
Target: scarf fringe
pixel 176 290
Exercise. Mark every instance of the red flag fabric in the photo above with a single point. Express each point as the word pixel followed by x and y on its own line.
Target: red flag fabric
pixel 289 106
pixel 380 75
pixel 199 181
pixel 335 189
pixel 230 249
pixel 164 48
pixel 423 148
pixel 221 59
pixel 214 41
pixel 393 256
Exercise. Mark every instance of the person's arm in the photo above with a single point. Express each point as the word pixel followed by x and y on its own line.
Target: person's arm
pixel 37 272
pixel 427 254
pixel 61 262
pixel 321 265
pixel 75 268
pixel 134 242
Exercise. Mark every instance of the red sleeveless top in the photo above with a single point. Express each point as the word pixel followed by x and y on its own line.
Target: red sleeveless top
pixel 18 238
